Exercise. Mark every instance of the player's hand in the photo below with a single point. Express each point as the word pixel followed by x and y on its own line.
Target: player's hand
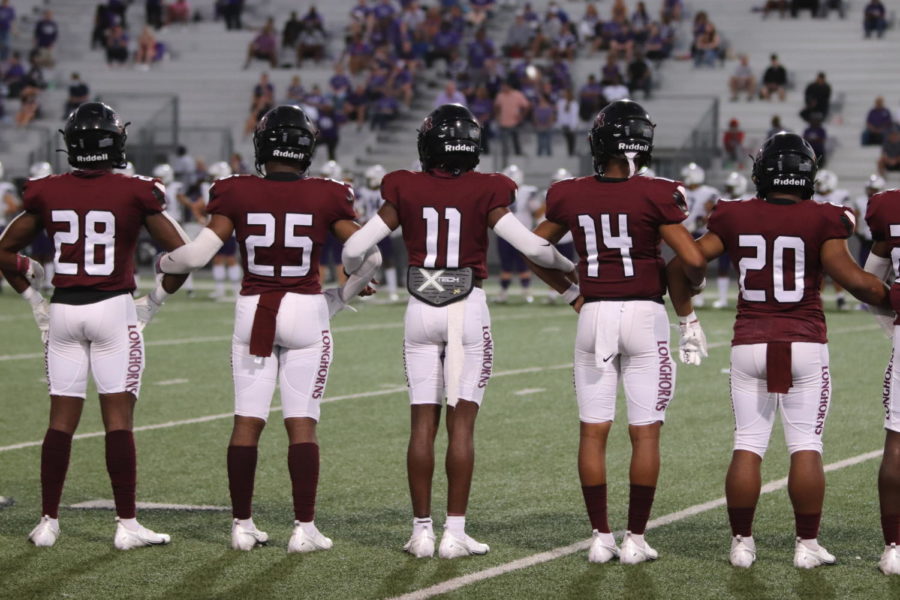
pixel 370 289
pixel 692 345
pixel 579 302
pixel 32 270
pixel 146 308
pixel 335 301
pixel 884 318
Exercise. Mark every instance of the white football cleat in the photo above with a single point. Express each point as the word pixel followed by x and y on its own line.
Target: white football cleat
pixel 454 547
pixel 46 533
pixel 743 551
pixel 720 304
pixel 632 552
pixel 420 544
pixel 243 538
pixel 890 560
pixel 126 539
pixel 601 550
pixel 301 541
pixel 810 558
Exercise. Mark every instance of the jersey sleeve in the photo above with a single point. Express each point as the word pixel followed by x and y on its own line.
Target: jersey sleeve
pixel 344 199
pixel 389 187
pixel 504 193
pixel 875 219
pixel 31 197
pixel 218 200
pixel 840 222
pixel 717 219
pixel 152 196
pixel 554 208
pixel 669 199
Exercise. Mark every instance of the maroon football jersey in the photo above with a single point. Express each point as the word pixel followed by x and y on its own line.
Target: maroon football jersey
pixel 93 219
pixel 281 223
pixel 444 218
pixel 775 247
pixel 883 217
pixel 615 224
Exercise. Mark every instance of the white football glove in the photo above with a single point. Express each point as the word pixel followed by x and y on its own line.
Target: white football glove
pixel 147 306
pixel 40 308
pixel 335 300
pixel 32 270
pixel 692 345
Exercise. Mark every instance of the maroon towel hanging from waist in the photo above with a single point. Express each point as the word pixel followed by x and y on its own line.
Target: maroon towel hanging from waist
pixel 778 367
pixel 262 336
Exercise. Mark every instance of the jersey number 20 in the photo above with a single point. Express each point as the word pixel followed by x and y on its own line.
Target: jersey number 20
pixel 757 262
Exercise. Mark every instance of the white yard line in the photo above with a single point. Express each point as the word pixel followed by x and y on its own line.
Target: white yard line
pixel 542 557
pixel 109 504
pixel 217 417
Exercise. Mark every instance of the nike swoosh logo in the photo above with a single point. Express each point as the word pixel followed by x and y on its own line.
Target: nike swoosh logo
pixel 608 357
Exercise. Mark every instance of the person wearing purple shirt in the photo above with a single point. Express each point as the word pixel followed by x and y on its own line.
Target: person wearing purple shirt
pixel 46 31
pixel 7 18
pixel 14 76
pixel 482 107
pixel 376 86
pixel 360 54
pixel 443 44
pixel 873 18
pixel 878 123
pixel 402 83
pixel 817 137
pixel 480 49
pixel 590 99
pixel 361 11
pixel 610 70
pixel 450 95
pixel 543 118
pixel 264 46
pixel 384 110
pixel 355 105
pixel 384 10
pixel 328 129
pixel 339 82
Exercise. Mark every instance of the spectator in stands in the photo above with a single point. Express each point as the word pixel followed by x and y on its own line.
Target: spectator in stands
pixel 359 54
pixel 658 46
pixel 146 48
pixel 742 80
pixel 540 44
pixel 640 23
pixel 79 93
pixel 673 9
pixel 879 122
pixel 339 83
pixel 311 41
pixel 450 95
pixel 733 144
pixel 14 75
pixel 890 152
pixel 482 107
pixel 479 51
pixel 265 89
pixel 444 44
pixel 621 43
pixel 46 32
pixel 817 98
pixel 264 46
pixel 329 133
pixel 355 105
pixel 102 22
pixel 829 5
pixel 797 5
pixel 295 93
pixel 590 99
pixel 565 45
pixel 7 23
pixel 817 137
pixel 259 107
pixel 233 11
pixel 29 108
pixel 639 75
pixel 610 70
pixel 291 31
pixel 116 46
pixel 587 27
pixel 615 90
pixel 117 9
pixel 384 109
pixel 567 118
pixel 237 164
pixel 775 126
pixel 708 47
pixel 780 5
pixel 510 108
pixel 543 119
pixel 874 20
pixel 153 13
pixel 774 80
pixel 178 12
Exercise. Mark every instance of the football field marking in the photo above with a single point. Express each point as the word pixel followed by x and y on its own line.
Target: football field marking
pixel 110 505
pixel 542 557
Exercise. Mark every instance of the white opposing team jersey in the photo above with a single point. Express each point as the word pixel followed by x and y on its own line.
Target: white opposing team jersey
pixel 859 206
pixel 173 207
pixel 204 192
pixel 6 188
pixel 837 197
pixel 368 202
pixel 527 202
pixel 697 199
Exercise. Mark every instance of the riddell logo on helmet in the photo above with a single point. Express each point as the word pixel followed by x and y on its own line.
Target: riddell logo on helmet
pixel 797 182
pixel 286 154
pixel 459 148
pixel 633 146
pixel 91 157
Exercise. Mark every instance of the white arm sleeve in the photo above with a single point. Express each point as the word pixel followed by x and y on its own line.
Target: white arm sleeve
pixel 879 266
pixel 358 281
pixel 193 255
pixel 535 248
pixel 357 246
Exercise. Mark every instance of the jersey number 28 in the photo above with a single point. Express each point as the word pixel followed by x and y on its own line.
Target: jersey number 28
pixel 99 232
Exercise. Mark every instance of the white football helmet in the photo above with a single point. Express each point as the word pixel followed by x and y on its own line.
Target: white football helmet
pixel 39 170
pixel 875 184
pixel 374 175
pixel 164 173
pixel 646 172
pixel 735 185
pixel 128 169
pixel 219 170
pixel 332 170
pixel 826 182
pixel 514 173
pixel 560 174
pixel 693 174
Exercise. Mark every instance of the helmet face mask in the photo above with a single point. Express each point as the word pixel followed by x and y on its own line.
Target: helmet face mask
pixel 285 134
pixel 623 127
pixel 785 162
pixel 95 137
pixel 449 138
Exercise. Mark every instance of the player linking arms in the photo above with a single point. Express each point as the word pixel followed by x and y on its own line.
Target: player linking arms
pixel 883 218
pixel 617 220
pixel 781 243
pixel 91 323
pixel 281 329
pixel 445 212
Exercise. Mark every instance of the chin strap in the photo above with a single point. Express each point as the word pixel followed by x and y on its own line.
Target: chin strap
pixel 629 156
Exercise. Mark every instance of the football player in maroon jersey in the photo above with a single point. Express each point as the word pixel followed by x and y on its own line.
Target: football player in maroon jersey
pixel 445 211
pixel 618 220
pixel 281 331
pixel 781 243
pixel 92 324
pixel 883 218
